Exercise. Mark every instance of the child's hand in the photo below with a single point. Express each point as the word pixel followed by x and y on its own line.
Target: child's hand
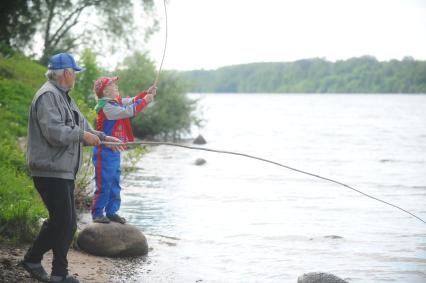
pixel 149 98
pixel 152 90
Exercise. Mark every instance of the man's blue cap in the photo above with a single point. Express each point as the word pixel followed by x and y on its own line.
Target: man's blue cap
pixel 63 61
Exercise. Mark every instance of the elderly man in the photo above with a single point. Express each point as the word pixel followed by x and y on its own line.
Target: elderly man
pixel 56 132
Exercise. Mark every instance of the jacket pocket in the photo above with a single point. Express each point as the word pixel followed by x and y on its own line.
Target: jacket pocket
pixel 64 159
pixel 69 122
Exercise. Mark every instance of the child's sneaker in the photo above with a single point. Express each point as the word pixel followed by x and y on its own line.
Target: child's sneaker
pixel 117 218
pixel 101 219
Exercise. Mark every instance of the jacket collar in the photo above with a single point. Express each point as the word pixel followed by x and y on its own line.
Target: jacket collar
pixel 61 89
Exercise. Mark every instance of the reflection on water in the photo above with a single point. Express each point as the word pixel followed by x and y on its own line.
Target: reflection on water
pixel 240 220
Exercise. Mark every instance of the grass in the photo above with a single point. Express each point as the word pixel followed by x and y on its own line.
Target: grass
pixel 20 206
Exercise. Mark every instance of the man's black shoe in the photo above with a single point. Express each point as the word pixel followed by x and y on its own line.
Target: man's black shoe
pixel 67 279
pixel 37 272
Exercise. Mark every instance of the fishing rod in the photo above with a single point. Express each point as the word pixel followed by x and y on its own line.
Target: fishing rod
pixel 165 47
pixel 136 143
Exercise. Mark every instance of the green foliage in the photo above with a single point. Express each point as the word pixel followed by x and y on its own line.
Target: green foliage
pixel 172 112
pixel 19 79
pixel 356 75
pixel 136 73
pixel 130 158
pixel 20 205
pixel 63 24
pixel 83 195
pixel 85 79
pixel 18 20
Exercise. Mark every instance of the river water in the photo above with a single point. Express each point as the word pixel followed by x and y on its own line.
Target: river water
pixel 239 220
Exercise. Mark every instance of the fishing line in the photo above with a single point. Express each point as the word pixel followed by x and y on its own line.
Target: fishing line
pixel 247 155
pixel 268 161
pixel 165 47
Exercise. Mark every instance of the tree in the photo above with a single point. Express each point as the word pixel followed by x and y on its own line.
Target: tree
pixel 355 75
pixel 64 25
pixel 86 78
pixel 18 21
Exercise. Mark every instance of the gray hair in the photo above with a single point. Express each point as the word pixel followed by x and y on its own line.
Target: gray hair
pixel 54 75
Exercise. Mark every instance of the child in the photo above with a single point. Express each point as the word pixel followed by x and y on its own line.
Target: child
pixel 113 119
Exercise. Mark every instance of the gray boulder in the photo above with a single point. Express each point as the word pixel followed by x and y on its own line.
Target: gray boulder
pixel 112 240
pixel 199 140
pixel 319 277
pixel 200 161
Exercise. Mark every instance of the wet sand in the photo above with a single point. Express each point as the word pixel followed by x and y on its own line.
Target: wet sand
pixel 87 268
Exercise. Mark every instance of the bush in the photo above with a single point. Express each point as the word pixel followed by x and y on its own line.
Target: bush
pixel 85 80
pixel 20 205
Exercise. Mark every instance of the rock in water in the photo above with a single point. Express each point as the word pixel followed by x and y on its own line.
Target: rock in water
pixel 199 140
pixel 334 237
pixel 200 161
pixel 319 277
pixel 113 240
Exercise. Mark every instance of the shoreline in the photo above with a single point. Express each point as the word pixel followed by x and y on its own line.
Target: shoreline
pixel 86 267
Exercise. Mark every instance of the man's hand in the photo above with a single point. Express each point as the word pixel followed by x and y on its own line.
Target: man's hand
pixel 114 147
pixel 91 139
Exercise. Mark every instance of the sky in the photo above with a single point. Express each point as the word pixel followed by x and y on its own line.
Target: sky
pixel 208 34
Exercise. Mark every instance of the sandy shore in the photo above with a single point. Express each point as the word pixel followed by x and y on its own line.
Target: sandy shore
pixel 87 268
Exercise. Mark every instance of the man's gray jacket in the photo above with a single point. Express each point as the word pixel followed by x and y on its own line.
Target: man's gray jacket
pixel 55 134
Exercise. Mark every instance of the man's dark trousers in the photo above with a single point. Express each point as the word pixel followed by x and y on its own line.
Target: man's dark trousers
pixel 56 232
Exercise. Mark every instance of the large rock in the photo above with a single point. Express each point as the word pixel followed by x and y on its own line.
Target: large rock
pixel 319 277
pixel 199 140
pixel 113 240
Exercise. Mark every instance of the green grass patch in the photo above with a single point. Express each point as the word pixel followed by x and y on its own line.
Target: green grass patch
pixel 20 205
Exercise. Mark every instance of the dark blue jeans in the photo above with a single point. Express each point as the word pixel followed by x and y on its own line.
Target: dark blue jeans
pixel 58 230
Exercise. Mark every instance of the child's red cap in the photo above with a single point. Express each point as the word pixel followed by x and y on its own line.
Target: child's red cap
pixel 101 83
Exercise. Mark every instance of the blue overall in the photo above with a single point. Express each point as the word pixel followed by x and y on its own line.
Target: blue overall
pixel 113 120
pixel 107 178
